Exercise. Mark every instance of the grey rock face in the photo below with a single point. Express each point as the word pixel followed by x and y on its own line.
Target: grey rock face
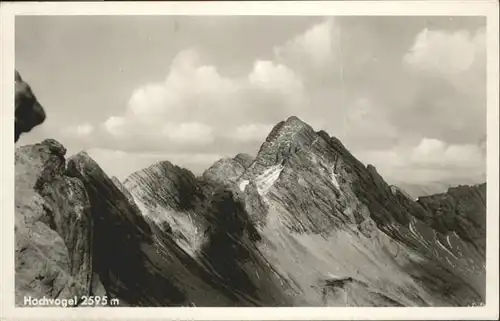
pixel 224 171
pixel 53 226
pixel 169 197
pixel 244 159
pixel 122 188
pixel 459 210
pixel 174 186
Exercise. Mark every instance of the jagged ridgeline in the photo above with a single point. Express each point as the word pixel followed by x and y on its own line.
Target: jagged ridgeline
pixel 303 223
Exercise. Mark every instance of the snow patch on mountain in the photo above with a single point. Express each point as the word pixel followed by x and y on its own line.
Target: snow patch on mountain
pixel 266 180
pixel 243 185
pixel 334 179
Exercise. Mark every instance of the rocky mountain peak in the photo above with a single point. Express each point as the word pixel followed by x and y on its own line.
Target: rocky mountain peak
pixel 224 171
pixel 176 185
pixel 85 167
pixel 285 139
pixel 54 146
pixel 41 162
pixel 295 123
pixel 285 132
pixel 47 148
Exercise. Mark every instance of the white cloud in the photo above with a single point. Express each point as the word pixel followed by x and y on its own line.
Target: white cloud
pixel 429 147
pixel 363 120
pixel 150 99
pixel 81 130
pixel 450 54
pixel 435 152
pixel 444 95
pixel 315 47
pixel 252 132
pixel 115 125
pixel 195 98
pixel 275 77
pixel 431 160
pixel 84 129
pixel 189 85
pixel 188 133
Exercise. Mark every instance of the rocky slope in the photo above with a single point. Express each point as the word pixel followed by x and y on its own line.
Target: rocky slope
pixel 53 226
pixel 304 223
pixel 327 214
pixel 459 210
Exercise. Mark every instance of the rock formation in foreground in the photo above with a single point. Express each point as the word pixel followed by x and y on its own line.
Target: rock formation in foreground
pixel 28 111
pixel 53 226
pixel 304 223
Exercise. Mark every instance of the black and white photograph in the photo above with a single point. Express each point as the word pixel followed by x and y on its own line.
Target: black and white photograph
pixel 250 160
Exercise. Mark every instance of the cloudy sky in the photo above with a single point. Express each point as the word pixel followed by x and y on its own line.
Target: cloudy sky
pixel 406 94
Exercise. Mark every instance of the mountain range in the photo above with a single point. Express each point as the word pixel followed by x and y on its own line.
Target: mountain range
pixel 303 223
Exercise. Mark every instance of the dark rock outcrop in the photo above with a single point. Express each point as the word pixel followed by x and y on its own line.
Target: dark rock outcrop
pixel 459 210
pixel 28 111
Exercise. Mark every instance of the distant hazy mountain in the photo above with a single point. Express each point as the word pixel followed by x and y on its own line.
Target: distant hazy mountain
pixel 417 190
